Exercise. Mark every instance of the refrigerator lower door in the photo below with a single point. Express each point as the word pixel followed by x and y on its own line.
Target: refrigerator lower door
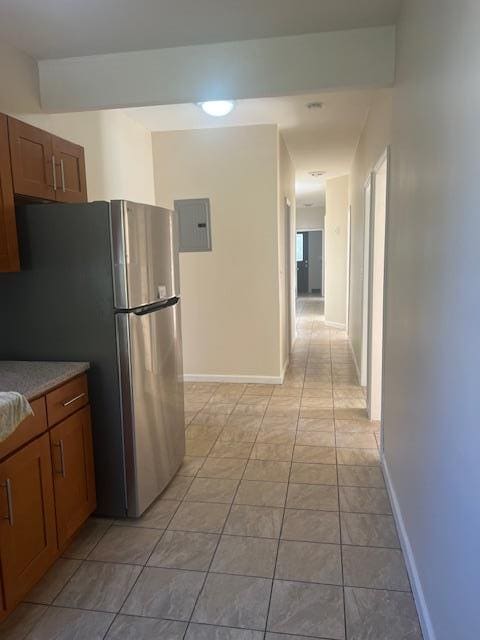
pixel 151 380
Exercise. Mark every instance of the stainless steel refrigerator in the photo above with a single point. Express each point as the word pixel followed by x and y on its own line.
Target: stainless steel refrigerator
pixel 100 283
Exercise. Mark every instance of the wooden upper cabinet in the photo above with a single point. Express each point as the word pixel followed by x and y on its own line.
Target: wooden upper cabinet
pixel 45 166
pixel 28 540
pixel 36 165
pixel 71 182
pixel 32 160
pixel 73 473
pixel 9 260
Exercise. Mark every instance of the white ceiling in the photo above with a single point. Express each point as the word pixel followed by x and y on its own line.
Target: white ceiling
pixel 64 28
pixel 321 139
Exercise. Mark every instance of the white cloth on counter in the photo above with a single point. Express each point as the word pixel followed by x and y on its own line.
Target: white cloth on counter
pixel 14 408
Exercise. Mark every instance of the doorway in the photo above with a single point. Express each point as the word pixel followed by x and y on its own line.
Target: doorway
pixel 309 257
pixel 302 262
pixel 375 202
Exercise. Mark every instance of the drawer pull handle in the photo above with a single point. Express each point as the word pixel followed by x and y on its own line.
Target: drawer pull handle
pixel 54 171
pixel 63 175
pixel 68 402
pixel 8 488
pixel 59 444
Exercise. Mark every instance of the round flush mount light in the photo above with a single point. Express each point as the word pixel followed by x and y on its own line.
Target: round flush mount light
pixel 316 174
pixel 217 108
pixel 315 105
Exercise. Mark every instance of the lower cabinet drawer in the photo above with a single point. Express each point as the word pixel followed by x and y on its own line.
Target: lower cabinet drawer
pixel 67 399
pixel 73 473
pixel 28 539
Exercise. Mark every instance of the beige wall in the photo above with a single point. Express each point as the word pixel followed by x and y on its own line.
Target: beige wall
pixel 336 238
pixel 128 158
pixel 230 296
pixel 310 218
pixel 286 251
pixel 118 151
pixel 19 82
pixel 374 139
pixel 432 306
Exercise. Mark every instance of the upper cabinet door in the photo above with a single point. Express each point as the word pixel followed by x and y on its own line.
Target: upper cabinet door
pixel 71 181
pixel 32 160
pixel 8 230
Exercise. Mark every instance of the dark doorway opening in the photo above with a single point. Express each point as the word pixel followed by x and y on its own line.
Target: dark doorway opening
pixel 302 262
pixel 309 250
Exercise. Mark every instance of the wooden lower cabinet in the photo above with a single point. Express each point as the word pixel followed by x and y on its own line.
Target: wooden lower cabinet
pixel 47 488
pixel 28 537
pixel 73 473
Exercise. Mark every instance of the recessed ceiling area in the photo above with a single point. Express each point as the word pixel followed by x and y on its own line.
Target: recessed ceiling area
pixel 65 28
pixel 322 139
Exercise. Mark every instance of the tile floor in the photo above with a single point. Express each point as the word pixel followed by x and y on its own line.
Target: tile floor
pixel 277 527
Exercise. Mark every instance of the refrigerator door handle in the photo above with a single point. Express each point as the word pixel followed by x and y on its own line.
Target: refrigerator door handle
pixel 155 306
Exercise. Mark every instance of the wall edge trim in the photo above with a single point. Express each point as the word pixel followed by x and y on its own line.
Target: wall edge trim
pixel 207 377
pixel 417 589
pixel 335 325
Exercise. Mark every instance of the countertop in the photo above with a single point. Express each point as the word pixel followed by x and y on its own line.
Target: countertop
pixel 33 379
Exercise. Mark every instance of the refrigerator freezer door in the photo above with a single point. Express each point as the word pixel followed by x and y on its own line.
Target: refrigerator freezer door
pixel 144 253
pixel 151 375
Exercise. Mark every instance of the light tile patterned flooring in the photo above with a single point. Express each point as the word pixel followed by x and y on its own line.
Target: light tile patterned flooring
pixel 277 527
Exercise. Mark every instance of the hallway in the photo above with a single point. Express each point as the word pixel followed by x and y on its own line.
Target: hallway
pixel 279 482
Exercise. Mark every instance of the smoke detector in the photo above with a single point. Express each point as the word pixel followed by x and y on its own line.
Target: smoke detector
pixel 315 105
pixel 316 174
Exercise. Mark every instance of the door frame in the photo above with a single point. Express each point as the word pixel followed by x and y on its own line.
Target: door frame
pixel 349 263
pixel 290 284
pixel 367 232
pixel 384 159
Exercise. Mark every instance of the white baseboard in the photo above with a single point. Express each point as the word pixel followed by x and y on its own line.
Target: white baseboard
pixel 335 325
pixel 417 589
pixel 201 377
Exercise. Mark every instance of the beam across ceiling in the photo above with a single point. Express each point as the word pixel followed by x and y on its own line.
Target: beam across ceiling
pixel 359 58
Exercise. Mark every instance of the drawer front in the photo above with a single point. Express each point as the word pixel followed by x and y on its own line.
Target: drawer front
pixel 30 428
pixel 65 400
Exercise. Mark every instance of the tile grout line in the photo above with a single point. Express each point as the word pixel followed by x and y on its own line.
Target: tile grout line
pixel 218 541
pixel 189 622
pixel 308 359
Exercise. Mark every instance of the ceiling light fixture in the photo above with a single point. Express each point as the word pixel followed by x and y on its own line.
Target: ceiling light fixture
pixel 315 105
pixel 308 204
pixel 217 108
pixel 316 174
